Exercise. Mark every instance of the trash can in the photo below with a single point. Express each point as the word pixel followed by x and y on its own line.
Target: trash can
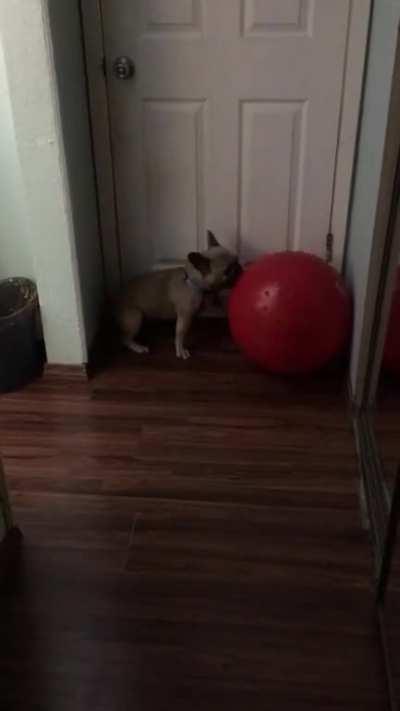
pixel 21 356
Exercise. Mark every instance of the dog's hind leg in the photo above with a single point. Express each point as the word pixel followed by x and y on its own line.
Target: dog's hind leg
pixel 130 323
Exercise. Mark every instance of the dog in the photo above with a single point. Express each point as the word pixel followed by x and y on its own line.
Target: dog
pixel 175 294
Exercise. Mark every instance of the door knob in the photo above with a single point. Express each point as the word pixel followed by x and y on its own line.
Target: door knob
pixel 123 68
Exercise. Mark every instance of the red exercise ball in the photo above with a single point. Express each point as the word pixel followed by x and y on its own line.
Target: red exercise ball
pixel 290 312
pixel 391 354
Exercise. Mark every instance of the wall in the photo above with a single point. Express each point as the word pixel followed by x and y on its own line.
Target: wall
pixel 15 248
pixel 58 193
pixel 363 252
pixel 70 75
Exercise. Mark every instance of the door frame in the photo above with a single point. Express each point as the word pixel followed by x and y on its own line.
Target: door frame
pixel 353 80
pixel 385 255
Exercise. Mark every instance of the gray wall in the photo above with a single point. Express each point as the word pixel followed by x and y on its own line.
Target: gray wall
pixel 361 249
pixel 69 66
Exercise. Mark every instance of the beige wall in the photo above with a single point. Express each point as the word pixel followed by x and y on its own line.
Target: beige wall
pixel 15 247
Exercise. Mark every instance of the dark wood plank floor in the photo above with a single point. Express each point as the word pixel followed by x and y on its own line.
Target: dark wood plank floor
pixel 387 431
pixel 387 425
pixel 192 541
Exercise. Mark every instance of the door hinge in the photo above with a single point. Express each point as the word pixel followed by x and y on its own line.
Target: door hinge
pixel 329 247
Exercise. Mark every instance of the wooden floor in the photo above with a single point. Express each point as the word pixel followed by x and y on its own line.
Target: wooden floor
pixel 192 541
pixel 387 432
pixel 387 425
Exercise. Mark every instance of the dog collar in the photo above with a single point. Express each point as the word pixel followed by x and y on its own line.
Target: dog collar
pixel 195 287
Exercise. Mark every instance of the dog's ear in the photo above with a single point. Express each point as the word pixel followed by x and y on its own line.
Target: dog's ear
pixel 202 264
pixel 212 240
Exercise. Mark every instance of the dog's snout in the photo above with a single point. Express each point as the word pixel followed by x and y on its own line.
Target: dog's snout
pixel 234 272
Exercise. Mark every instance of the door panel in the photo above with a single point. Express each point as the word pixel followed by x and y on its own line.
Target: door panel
pixel 230 123
pixel 176 16
pixel 174 148
pixel 272 135
pixel 261 17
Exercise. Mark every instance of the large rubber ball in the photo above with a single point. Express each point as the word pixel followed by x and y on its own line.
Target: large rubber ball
pixel 290 312
pixel 391 355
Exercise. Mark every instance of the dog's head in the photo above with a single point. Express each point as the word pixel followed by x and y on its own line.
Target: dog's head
pixel 215 269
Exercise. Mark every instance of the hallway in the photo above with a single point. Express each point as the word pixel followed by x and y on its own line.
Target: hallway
pixel 192 541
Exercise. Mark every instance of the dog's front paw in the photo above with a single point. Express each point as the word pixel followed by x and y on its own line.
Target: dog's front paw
pixel 142 349
pixel 182 353
pixel 137 347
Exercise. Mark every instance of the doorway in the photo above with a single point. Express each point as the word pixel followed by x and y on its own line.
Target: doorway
pixel 227 116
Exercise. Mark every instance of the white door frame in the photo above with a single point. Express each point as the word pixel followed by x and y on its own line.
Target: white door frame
pixel 357 41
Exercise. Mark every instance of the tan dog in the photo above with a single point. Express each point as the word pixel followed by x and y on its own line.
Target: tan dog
pixel 175 294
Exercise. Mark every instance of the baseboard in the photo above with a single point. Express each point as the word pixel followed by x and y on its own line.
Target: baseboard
pixel 373 495
pixel 353 400
pixel 377 517
pixel 387 658
pixel 76 373
pixel 10 548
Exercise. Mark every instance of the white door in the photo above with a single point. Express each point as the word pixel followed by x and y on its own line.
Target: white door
pixel 230 123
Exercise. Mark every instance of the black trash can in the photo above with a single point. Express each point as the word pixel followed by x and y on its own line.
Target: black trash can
pixel 21 352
